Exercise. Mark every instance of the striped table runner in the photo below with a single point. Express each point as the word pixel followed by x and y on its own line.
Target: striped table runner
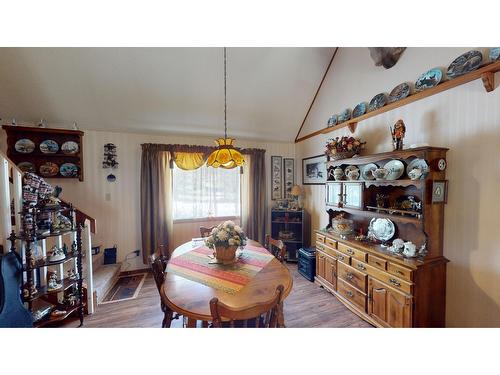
pixel 194 265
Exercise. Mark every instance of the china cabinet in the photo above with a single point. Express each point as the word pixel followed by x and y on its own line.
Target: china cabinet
pixel 381 285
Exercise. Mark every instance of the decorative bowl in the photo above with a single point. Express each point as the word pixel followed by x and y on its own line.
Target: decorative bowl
pixel 342 226
pixel 380 173
pixel 341 155
pixel 285 234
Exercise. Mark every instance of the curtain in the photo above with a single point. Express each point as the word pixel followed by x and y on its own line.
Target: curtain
pixel 156 191
pixel 253 192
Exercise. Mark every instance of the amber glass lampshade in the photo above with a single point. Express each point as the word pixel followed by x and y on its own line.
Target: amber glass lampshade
pixel 225 156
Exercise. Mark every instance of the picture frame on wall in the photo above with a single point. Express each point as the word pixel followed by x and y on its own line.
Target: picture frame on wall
pixel 440 191
pixel 314 170
pixel 276 177
pixel 288 176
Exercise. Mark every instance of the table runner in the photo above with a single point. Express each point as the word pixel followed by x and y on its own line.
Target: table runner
pixel 194 265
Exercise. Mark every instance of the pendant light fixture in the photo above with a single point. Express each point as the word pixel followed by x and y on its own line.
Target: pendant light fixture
pixel 225 156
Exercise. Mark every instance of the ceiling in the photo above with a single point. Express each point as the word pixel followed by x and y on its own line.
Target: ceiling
pixel 163 90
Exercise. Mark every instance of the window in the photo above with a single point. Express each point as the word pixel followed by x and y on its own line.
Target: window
pixel 206 192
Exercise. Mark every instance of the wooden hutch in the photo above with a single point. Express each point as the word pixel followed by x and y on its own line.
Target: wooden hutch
pixel 385 288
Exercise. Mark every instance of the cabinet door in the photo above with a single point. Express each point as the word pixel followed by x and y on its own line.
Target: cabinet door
pixel 331 271
pixel 333 193
pixel 387 306
pixel 320 264
pixel 353 195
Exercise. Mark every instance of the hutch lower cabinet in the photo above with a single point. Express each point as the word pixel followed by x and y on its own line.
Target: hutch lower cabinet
pixel 384 290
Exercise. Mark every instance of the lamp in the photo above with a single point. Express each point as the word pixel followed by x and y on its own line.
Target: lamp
pixel 296 192
pixel 225 156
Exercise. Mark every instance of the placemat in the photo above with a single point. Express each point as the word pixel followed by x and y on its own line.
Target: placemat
pixel 194 265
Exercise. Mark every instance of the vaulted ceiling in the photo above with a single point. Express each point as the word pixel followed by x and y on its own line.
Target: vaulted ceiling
pixel 163 90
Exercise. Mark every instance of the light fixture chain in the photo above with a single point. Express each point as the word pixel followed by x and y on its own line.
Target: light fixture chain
pixel 225 95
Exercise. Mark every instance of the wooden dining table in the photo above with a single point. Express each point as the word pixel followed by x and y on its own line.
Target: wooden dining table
pixel 191 298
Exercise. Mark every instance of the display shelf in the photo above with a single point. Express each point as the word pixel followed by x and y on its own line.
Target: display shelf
pixel 54 319
pixel 43 291
pixel 283 219
pixel 23 237
pixel 485 73
pixel 365 213
pixel 284 222
pixel 46 263
pixel 403 182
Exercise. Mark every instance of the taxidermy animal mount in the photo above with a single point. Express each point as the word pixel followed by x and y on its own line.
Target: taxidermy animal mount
pixel 386 56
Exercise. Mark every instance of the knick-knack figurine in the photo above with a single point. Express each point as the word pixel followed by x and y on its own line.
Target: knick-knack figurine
pixel 52 283
pixel 398 134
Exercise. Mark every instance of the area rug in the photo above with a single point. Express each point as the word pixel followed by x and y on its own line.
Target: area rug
pixel 127 287
pixel 195 265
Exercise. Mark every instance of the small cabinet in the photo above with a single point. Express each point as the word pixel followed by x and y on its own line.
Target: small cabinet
pixel 344 194
pixel 326 269
pixel 320 264
pixel 389 307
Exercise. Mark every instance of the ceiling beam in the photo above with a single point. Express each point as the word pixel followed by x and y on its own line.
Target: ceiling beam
pixel 317 92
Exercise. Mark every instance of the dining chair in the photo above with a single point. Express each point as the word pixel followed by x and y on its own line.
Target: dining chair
pixel 275 247
pixel 262 315
pixel 205 231
pixel 158 263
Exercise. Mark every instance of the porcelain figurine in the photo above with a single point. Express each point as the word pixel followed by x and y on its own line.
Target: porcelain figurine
pixel 52 283
pixel 397 246
pixel 398 134
pixel 415 173
pixel 338 173
pixel 57 254
pixel 353 174
pixel 381 200
pixel 73 275
pixel 380 173
pixel 61 223
pixel 410 250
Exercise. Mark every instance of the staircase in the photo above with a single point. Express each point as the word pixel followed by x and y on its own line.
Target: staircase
pixel 105 275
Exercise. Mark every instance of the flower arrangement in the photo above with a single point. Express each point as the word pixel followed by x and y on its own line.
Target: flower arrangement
pixel 343 147
pixel 226 234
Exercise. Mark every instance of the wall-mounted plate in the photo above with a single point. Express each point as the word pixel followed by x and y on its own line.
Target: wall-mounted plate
pixel 429 79
pixel 465 63
pixel 24 146
pixel 69 170
pixel 49 146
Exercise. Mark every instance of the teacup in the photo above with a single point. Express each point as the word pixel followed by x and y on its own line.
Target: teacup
pixel 415 173
pixel 410 249
pixel 380 173
pixel 338 173
pixel 353 174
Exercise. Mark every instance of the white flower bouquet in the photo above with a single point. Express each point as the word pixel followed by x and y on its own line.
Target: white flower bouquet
pixel 226 234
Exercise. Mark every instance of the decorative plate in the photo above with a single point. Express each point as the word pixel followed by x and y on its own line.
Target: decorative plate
pixel 49 146
pixel 494 54
pixel 378 101
pixel 69 170
pixel 418 163
pixel 382 229
pixel 465 63
pixel 429 79
pixel 26 166
pixel 345 115
pixel 69 148
pixel 359 110
pixel 399 92
pixel 49 169
pixel 332 120
pixel 24 146
pixel 396 169
pixel 366 171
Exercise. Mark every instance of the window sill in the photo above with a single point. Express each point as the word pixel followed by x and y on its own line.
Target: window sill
pixel 207 219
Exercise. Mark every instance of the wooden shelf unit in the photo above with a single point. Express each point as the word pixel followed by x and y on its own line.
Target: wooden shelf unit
pixel 486 73
pixel 387 289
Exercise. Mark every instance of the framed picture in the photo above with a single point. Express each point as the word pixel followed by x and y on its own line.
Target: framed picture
pixel 289 176
pixel 439 191
pixel 276 178
pixel 314 170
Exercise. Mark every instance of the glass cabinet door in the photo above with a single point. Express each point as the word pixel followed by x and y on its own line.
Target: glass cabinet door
pixel 353 195
pixel 333 193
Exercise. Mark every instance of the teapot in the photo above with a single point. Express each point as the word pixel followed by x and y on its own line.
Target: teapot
pixel 380 173
pixel 410 249
pixel 353 174
pixel 415 173
pixel 338 173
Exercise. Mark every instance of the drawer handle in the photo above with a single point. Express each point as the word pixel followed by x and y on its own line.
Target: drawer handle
pixel 349 294
pixel 361 267
pixel 349 251
pixel 378 264
pixel 341 257
pixel 401 273
pixel 394 282
pixel 349 276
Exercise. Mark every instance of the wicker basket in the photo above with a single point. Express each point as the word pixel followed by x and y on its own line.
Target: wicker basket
pixel 225 255
pixel 341 155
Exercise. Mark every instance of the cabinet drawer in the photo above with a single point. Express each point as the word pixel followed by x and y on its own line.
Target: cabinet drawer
pixel 342 257
pixel 358 265
pixel 377 262
pixel 356 278
pixel 387 278
pixel 320 238
pixel 351 294
pixel 355 253
pixel 328 250
pixel 400 271
pixel 331 243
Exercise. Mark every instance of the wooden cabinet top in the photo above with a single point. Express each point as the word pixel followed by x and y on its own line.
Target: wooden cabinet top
pixel 30 129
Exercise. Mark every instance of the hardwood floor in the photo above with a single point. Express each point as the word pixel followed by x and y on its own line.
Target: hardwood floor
pixel 308 305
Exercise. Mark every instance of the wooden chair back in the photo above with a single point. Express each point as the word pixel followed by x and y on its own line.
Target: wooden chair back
pixel 275 247
pixel 264 314
pixel 158 263
pixel 205 231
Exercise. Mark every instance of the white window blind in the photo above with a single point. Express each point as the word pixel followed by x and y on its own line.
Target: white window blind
pixel 206 192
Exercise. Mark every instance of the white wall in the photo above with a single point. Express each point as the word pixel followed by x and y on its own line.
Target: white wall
pixel 118 220
pixel 467 120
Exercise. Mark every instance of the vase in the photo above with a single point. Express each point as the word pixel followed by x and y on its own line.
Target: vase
pixel 225 255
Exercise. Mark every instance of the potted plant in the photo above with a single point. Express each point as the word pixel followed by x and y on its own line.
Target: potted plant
pixel 345 147
pixel 225 240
